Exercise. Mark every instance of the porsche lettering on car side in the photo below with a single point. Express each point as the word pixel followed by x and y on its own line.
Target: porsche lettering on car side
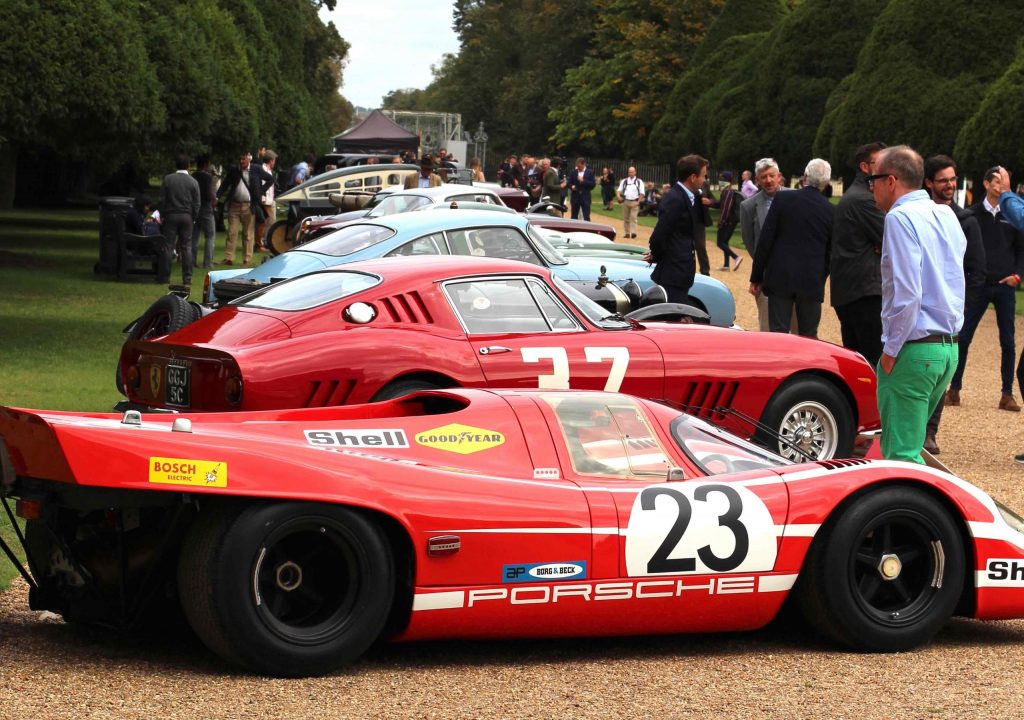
pixel 486 514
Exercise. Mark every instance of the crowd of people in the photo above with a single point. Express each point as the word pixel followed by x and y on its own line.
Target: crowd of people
pixel 912 273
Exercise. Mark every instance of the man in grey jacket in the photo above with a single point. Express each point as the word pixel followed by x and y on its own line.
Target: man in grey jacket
pixel 753 211
pixel 179 208
pixel 856 266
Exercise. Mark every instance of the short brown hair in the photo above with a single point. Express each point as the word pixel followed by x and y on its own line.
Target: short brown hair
pixel 904 163
pixel 936 163
pixel 690 165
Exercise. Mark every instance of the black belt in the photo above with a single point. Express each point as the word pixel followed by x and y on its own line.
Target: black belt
pixel 936 339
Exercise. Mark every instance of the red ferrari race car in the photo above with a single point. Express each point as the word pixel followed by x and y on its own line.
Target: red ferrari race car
pixel 378 329
pixel 294 539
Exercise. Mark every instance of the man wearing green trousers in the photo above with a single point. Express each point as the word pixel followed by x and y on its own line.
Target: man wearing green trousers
pixel 922 301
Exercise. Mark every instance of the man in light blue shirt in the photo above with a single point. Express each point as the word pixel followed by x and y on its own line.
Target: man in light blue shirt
pixel 922 301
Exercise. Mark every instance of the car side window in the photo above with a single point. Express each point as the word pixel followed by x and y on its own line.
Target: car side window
pixel 426 245
pixel 608 435
pixel 498 242
pixel 557 316
pixel 496 306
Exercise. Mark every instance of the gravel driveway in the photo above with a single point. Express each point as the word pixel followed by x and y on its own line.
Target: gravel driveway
pixel 972 669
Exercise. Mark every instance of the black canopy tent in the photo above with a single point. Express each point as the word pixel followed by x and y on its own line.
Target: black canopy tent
pixel 376 134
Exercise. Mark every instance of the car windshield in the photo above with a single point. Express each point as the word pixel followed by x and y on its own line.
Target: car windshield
pixel 395 204
pixel 716 451
pixel 348 239
pixel 546 249
pixel 593 312
pixel 308 291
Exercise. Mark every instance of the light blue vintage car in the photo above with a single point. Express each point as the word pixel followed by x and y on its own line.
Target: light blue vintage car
pixel 445 231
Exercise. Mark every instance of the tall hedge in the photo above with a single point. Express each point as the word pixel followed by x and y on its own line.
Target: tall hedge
pixel 993 134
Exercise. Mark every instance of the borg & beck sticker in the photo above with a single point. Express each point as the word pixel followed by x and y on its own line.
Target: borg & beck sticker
pixel 357 438
pixel 462 439
pixel 196 473
pixel 544 572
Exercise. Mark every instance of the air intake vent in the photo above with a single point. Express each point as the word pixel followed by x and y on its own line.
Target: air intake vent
pixel 837 463
pixel 707 395
pixel 406 308
pixel 328 393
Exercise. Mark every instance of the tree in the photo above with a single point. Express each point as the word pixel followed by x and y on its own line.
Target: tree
pixel 918 82
pixel 639 48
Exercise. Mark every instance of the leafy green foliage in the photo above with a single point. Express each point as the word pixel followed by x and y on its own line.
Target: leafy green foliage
pixel 992 136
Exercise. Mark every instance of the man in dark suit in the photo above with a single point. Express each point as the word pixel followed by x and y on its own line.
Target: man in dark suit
pixel 581 182
pixel 791 261
pixel 1004 267
pixel 672 241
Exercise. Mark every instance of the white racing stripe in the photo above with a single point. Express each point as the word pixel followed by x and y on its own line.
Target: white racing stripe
pixel 439 600
pixel 775 583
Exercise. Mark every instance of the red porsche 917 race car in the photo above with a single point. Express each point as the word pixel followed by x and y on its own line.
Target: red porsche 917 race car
pixel 294 539
pixel 379 329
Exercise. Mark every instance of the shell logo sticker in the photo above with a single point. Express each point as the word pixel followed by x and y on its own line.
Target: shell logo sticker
pixel 154 379
pixel 195 473
pixel 461 439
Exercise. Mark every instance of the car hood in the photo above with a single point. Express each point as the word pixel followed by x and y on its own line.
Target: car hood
pixel 589 268
pixel 287 265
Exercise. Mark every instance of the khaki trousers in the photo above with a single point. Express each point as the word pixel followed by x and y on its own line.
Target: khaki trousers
pixel 239 216
pixel 630 211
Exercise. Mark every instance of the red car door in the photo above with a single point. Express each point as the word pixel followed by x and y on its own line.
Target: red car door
pixel 524 335
pixel 694 552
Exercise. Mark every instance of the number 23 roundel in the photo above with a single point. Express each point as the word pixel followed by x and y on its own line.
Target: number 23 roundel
pixel 699 528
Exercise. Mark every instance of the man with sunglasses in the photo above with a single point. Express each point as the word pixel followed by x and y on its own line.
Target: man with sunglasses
pixel 922 300
pixel 1004 266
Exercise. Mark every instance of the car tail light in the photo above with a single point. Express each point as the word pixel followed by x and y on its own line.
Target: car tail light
pixel 28 509
pixel 233 390
pixel 131 377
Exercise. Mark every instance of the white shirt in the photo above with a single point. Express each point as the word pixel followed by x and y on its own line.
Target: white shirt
pixel 268 197
pixel 631 188
pixel 989 207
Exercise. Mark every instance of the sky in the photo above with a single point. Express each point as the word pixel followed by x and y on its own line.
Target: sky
pixel 393 44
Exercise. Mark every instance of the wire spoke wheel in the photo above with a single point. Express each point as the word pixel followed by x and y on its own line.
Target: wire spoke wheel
pixel 812 428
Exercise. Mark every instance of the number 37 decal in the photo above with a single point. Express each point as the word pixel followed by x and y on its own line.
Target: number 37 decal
pixel 699 528
pixel 558 379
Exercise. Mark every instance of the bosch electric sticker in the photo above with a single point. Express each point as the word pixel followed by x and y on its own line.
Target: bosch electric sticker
pixel 699 528
pixel 357 438
pixel 541 572
pixel 461 439
pixel 196 473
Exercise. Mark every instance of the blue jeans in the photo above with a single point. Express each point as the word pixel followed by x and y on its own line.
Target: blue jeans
pixel 1003 297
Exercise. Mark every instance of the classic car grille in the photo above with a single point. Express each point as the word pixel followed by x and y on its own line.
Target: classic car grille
pixel 407 308
pixel 327 393
pixel 701 397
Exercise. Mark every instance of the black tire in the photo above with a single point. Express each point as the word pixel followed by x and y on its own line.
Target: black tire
pixel 813 415
pixel 168 314
pixel 278 239
pixel 844 592
pixel 239 569
pixel 398 388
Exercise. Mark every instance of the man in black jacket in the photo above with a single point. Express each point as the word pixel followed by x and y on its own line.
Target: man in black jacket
pixel 791 261
pixel 672 241
pixel 243 187
pixel 1004 266
pixel 855 267
pixel 940 182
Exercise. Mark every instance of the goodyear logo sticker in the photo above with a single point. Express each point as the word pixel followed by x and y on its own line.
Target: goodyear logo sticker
pixel 196 473
pixel 462 439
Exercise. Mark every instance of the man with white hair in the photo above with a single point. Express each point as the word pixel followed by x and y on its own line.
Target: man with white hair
pixel 791 260
pixel 753 212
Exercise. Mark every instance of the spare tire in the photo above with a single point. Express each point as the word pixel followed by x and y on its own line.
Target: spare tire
pixel 168 314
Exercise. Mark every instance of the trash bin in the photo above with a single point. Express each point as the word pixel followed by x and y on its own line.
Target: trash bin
pixel 113 209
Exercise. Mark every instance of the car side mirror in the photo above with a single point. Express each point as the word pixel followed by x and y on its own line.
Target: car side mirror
pixel 675 474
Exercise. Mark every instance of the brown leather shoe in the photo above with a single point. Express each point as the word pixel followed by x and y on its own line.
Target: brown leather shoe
pixel 1006 402
pixel 953 397
pixel 930 445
